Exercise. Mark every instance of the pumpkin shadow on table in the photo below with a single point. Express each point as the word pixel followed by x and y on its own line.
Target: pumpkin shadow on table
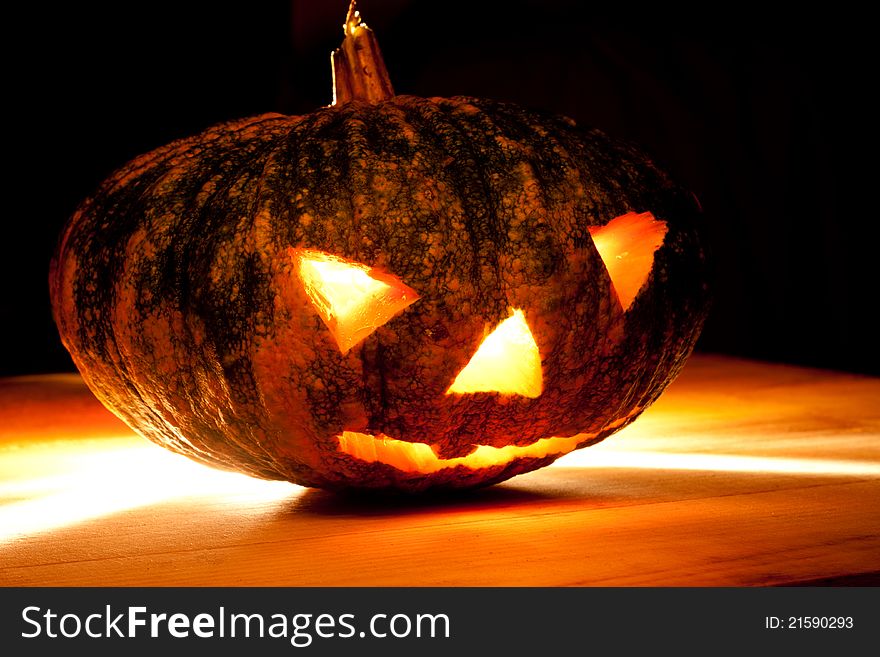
pixel 519 492
pixel 327 503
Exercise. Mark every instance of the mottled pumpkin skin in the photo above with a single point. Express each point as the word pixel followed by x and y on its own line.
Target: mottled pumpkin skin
pixel 175 287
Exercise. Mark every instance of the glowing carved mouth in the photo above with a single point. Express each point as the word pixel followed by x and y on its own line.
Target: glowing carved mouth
pixel 421 458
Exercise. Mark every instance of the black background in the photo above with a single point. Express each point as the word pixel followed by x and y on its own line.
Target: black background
pixel 766 114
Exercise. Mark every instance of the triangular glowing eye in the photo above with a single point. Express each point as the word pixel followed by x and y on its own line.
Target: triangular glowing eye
pixel 353 299
pixel 507 362
pixel 627 245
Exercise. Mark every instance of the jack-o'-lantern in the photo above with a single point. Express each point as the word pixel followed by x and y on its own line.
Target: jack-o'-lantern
pixel 390 292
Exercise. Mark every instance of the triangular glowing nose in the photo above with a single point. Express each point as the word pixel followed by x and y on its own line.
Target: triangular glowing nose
pixel 507 361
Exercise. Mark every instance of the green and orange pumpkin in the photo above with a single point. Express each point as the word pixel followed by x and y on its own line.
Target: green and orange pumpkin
pixel 388 293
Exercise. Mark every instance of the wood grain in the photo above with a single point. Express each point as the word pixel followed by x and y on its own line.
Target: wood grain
pixel 743 474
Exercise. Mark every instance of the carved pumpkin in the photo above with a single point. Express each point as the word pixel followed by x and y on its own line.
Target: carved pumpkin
pixel 390 292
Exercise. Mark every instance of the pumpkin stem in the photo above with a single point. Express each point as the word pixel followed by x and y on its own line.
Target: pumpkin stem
pixel 359 71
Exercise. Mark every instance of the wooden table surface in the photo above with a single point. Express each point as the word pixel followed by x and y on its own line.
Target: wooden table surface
pixel 744 473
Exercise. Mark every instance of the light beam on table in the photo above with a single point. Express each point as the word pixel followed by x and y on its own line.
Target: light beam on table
pixel 54 484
